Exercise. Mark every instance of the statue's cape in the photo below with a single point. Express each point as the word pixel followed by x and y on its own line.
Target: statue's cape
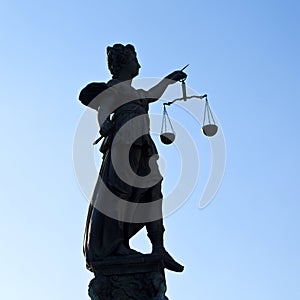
pixel 89 93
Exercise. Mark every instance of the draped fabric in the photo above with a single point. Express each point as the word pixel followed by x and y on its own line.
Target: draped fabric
pixel 104 234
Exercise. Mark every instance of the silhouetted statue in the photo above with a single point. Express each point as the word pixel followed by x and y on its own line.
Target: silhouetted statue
pixel 123 115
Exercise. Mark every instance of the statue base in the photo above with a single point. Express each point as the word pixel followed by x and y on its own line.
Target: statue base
pixel 134 277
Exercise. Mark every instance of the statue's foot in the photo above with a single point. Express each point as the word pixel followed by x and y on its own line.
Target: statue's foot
pixel 169 262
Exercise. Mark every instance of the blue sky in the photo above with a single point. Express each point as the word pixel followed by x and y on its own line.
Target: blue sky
pixel 244 54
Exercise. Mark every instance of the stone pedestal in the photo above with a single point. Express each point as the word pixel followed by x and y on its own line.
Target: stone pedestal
pixel 134 277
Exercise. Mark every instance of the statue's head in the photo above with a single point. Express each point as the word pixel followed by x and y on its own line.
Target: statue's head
pixel 122 58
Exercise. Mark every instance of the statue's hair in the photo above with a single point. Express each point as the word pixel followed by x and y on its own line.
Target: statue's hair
pixel 117 56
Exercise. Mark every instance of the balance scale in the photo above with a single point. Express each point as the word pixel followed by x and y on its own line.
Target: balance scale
pixel 209 127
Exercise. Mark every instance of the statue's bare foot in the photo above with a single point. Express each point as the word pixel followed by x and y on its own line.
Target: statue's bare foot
pixel 169 262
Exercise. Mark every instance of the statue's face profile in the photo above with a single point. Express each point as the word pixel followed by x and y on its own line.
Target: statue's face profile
pixel 131 65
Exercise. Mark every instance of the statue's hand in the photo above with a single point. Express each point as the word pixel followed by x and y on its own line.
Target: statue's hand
pixel 176 76
pixel 107 128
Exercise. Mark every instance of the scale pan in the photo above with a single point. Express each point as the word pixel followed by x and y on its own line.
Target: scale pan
pixel 210 129
pixel 167 138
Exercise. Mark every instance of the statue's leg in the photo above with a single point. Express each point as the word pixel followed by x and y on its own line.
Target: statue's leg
pixel 155 230
pixel 157 240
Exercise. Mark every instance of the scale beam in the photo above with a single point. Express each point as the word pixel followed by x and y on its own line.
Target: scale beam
pixel 186 98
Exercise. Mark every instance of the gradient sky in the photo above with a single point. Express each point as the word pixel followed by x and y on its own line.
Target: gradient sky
pixel 245 54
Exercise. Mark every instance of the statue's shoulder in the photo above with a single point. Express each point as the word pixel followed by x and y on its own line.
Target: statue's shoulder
pixel 112 82
pixel 90 92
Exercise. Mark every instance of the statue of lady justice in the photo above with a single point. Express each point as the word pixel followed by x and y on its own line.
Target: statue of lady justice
pixel 122 116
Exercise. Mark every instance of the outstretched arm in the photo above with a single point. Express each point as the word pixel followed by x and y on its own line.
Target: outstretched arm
pixel 157 91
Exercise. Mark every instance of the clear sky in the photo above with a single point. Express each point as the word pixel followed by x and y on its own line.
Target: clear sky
pixel 245 54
